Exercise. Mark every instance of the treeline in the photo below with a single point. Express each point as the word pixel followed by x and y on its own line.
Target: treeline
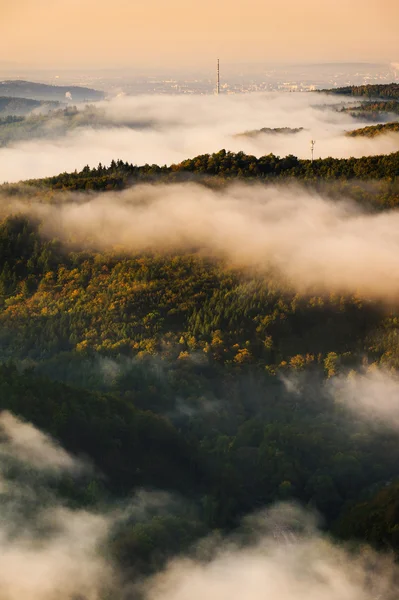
pixel 226 165
pixel 390 90
pixel 371 181
pixel 374 130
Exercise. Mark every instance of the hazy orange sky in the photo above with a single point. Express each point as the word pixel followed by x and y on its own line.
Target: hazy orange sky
pixel 153 33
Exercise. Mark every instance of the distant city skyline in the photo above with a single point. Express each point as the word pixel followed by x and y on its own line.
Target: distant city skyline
pixel 156 33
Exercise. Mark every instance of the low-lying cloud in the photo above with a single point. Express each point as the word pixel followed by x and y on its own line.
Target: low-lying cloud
pixel 64 552
pixel 372 394
pixel 277 563
pixel 314 244
pixel 369 393
pixel 47 549
pixel 306 570
pixel 29 445
pixel 168 129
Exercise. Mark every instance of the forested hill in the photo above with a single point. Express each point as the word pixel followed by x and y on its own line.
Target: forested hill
pixel 390 91
pixel 169 370
pixel 227 165
pixel 374 130
pixel 337 177
pixel 169 366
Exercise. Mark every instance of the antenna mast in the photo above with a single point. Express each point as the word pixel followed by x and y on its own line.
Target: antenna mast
pixel 312 143
pixel 218 79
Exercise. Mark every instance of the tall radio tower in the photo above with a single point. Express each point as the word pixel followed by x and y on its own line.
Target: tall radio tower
pixel 217 79
pixel 312 145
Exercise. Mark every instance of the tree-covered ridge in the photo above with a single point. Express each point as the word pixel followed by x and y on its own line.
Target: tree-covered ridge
pixel 390 90
pixel 375 130
pixel 373 111
pixel 227 166
pixel 273 167
pixel 116 305
pixel 371 181
pixel 170 370
pixel 175 357
pixel 270 131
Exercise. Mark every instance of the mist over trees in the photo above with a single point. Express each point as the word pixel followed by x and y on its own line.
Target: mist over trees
pixel 381 171
pixel 166 130
pixel 175 371
pixel 374 111
pixel 197 342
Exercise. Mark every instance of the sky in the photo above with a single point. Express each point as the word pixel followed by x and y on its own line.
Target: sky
pixel 158 33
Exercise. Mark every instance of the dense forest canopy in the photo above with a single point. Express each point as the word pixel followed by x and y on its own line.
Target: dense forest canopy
pixel 200 346
pixel 171 367
pixel 370 181
pixel 177 371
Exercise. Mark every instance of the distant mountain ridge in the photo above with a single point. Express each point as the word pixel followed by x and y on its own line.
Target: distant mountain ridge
pixel 42 91
pixel 386 91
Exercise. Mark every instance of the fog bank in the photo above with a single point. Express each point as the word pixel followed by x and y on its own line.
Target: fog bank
pixel 168 129
pixel 63 552
pixel 313 244
pixel 47 549
pixel 372 394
